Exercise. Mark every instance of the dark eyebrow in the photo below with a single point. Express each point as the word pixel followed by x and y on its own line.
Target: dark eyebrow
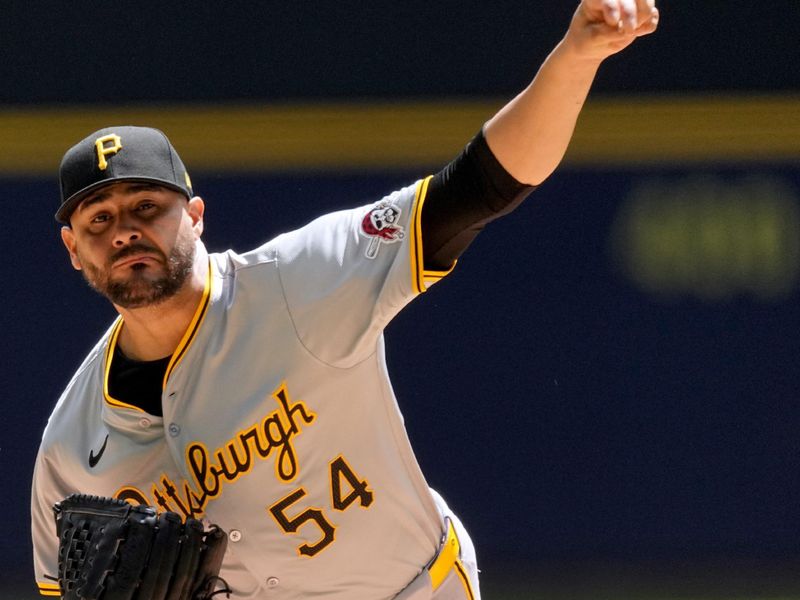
pixel 132 188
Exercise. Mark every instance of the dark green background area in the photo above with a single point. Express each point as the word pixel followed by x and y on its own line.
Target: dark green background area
pixel 108 52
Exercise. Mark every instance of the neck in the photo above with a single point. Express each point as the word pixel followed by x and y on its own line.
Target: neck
pixel 153 332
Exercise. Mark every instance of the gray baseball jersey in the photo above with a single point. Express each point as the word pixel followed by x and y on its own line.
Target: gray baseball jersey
pixel 279 423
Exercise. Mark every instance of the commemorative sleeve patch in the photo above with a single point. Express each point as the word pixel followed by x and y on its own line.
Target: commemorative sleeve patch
pixel 381 226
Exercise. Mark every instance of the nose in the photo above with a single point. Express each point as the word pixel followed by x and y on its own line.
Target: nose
pixel 127 232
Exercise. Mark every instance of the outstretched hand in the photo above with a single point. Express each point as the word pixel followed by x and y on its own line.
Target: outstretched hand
pixel 530 134
pixel 600 28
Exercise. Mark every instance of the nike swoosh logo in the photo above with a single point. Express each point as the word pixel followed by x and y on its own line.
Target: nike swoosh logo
pixel 93 460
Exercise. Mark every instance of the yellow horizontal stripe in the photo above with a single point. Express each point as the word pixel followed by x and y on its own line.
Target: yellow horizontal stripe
pixel 48 586
pixel 688 130
pixel 49 589
pixel 388 135
pixel 429 274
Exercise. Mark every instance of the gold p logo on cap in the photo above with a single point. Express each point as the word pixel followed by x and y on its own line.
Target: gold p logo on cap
pixel 103 149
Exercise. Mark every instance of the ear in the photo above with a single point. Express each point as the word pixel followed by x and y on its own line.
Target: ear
pixel 68 237
pixel 196 209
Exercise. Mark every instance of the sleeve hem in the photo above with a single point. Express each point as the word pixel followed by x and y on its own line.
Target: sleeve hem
pixel 421 278
pixel 48 589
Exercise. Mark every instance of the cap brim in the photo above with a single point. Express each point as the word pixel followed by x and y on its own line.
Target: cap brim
pixel 67 208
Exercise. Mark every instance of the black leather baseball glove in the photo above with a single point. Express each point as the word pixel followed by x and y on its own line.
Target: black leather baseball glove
pixel 112 550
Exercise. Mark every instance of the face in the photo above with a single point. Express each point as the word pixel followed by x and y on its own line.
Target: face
pixel 384 218
pixel 134 242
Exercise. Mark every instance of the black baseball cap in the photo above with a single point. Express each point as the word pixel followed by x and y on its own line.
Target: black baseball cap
pixel 124 153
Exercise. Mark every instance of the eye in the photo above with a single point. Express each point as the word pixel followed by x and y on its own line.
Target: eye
pixel 100 218
pixel 145 205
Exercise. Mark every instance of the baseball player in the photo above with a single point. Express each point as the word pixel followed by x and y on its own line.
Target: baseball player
pixel 250 390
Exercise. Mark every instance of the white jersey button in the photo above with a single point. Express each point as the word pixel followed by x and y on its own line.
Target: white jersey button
pixel 144 423
pixel 174 429
pixel 273 582
pixel 235 535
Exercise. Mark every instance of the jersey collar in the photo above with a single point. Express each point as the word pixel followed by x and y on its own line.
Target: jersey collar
pixel 177 355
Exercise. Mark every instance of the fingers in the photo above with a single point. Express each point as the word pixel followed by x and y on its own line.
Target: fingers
pixel 611 12
pixel 601 28
pixel 646 17
pixel 649 26
pixel 629 15
pixel 626 16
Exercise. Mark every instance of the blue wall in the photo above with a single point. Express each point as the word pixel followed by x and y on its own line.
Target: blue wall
pixel 566 411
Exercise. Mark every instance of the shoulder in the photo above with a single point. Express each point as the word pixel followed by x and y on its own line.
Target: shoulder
pixel 334 236
pixel 227 263
pixel 330 233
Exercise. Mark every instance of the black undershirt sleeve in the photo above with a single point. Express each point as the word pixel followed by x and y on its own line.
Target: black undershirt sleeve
pixel 471 191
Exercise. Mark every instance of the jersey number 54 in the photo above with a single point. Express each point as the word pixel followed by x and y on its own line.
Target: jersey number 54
pixel 342 478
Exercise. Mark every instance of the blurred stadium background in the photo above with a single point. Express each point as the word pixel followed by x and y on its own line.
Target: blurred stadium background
pixel 605 389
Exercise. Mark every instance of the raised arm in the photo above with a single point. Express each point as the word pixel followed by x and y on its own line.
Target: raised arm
pixel 529 135
pixel 523 143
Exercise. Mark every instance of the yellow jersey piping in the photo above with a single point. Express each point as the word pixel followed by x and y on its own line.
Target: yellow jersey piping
pixel 462 575
pixel 194 325
pixel 112 343
pixel 421 278
pixel 448 560
pixel 183 345
pixel 49 589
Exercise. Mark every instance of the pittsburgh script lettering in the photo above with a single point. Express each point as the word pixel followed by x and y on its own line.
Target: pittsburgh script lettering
pixel 209 471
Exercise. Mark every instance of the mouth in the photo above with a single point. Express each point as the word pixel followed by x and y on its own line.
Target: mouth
pixel 135 262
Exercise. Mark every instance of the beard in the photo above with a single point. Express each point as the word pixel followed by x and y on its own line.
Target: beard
pixel 140 288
